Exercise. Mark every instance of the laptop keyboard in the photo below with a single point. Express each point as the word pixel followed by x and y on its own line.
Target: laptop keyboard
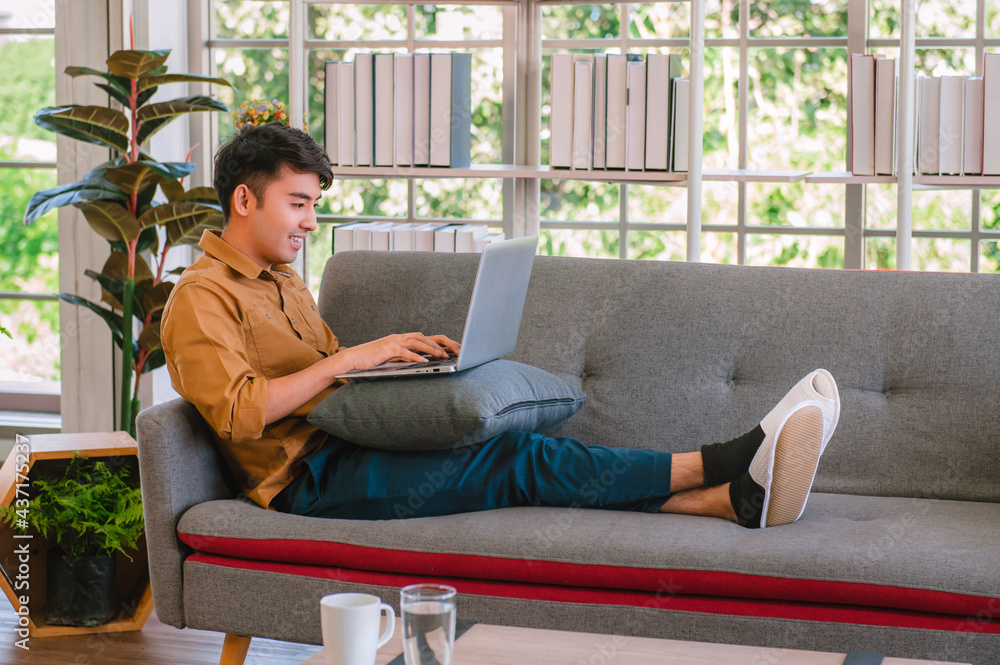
pixel 432 361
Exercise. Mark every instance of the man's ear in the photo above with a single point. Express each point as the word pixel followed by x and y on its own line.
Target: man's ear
pixel 242 198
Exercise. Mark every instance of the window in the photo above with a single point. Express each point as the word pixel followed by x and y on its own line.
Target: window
pixel 29 268
pixel 775 98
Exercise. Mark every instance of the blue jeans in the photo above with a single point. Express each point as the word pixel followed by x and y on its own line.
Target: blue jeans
pixel 347 481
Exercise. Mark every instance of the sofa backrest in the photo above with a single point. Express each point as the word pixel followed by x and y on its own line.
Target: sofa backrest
pixel 674 355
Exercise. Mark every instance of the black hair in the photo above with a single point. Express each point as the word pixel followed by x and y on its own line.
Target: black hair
pixel 254 155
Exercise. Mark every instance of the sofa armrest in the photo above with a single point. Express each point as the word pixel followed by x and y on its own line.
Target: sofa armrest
pixel 179 467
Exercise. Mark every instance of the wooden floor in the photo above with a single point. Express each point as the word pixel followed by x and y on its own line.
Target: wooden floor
pixel 155 644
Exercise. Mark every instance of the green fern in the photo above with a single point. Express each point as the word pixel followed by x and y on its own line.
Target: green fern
pixel 92 508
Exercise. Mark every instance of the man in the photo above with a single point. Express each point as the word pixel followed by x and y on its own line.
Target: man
pixel 245 344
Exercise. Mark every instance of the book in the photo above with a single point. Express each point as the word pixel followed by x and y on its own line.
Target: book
pixel 617 104
pixel 467 235
pixel 381 235
pixel 423 236
pixel 886 73
pixel 679 132
pixel 951 117
pixel 635 119
pixel 343 237
pixel 444 238
pixel 485 240
pixel 402 237
pixel 991 109
pixel 364 111
pixel 929 131
pixel 385 126
pixel 661 70
pixel 561 114
pixel 461 110
pixel 862 125
pixel 600 110
pixel 363 235
pixel 403 108
pixel 972 149
pixel 345 108
pixel 583 119
pixel 331 111
pixel 421 109
pixel 451 109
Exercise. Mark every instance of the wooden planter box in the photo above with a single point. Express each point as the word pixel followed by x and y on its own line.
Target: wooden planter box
pixel 134 598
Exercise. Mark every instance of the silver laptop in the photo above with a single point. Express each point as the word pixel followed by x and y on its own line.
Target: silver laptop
pixel 494 317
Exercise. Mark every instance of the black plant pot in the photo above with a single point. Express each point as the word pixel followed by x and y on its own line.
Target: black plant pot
pixel 80 590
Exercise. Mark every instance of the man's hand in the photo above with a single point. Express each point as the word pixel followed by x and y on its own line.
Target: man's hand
pixel 405 347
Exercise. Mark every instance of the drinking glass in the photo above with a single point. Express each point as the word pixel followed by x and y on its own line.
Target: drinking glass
pixel 428 623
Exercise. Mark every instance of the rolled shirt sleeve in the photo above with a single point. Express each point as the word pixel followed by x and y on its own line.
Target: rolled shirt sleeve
pixel 204 342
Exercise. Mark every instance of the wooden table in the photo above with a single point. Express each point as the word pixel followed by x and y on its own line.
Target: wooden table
pixel 502 645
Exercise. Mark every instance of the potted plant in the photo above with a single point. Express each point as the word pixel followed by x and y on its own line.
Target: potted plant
pixel 119 199
pixel 90 510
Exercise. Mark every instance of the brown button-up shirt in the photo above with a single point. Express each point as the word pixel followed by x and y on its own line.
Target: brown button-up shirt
pixel 229 326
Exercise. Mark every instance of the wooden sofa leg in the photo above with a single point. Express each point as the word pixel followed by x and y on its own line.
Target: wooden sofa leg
pixel 234 649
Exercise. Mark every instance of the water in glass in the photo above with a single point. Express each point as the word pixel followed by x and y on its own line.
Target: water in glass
pixel 428 632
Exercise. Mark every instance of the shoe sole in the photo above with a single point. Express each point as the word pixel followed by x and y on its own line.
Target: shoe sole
pixel 796 455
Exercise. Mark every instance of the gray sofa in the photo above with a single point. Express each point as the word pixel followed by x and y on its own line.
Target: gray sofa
pixel 898 550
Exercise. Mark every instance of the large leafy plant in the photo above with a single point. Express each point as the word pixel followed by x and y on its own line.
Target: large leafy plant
pixel 92 508
pixel 119 201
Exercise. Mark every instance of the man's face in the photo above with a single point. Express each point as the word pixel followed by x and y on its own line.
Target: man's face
pixel 281 222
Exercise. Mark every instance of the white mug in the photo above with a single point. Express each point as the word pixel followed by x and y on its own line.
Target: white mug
pixel 350 623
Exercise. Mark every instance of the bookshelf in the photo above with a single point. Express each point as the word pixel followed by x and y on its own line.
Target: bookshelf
pixel 522 168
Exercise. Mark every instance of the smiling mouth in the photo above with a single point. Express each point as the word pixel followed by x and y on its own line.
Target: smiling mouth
pixel 297 241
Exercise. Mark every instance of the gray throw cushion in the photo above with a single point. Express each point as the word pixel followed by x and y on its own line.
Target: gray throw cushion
pixel 447 411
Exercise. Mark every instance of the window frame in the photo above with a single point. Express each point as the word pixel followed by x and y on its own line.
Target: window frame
pixel 854 231
pixel 13 402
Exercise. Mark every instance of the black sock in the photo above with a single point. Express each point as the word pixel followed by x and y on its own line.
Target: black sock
pixel 725 462
pixel 747 498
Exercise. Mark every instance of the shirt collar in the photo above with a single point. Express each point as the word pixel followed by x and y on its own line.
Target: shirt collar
pixel 217 248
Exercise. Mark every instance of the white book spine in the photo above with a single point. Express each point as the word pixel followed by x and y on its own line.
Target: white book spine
pixel 343 237
pixel 440 109
pixel 363 235
pixel 991 109
pixel 385 125
pixel 423 237
pixel 364 112
pixel 657 111
pixel 561 115
pixel 345 106
pixel 421 109
pixel 951 114
pixel 403 90
pixel 918 91
pixel 635 124
pixel 600 110
pixel 444 238
pixel 467 235
pixel 972 153
pixel 929 134
pixel 381 236
pixel 885 115
pixel 862 82
pixel 616 110
pixel 332 111
pixel 583 119
pixel 402 237
pixel 680 130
